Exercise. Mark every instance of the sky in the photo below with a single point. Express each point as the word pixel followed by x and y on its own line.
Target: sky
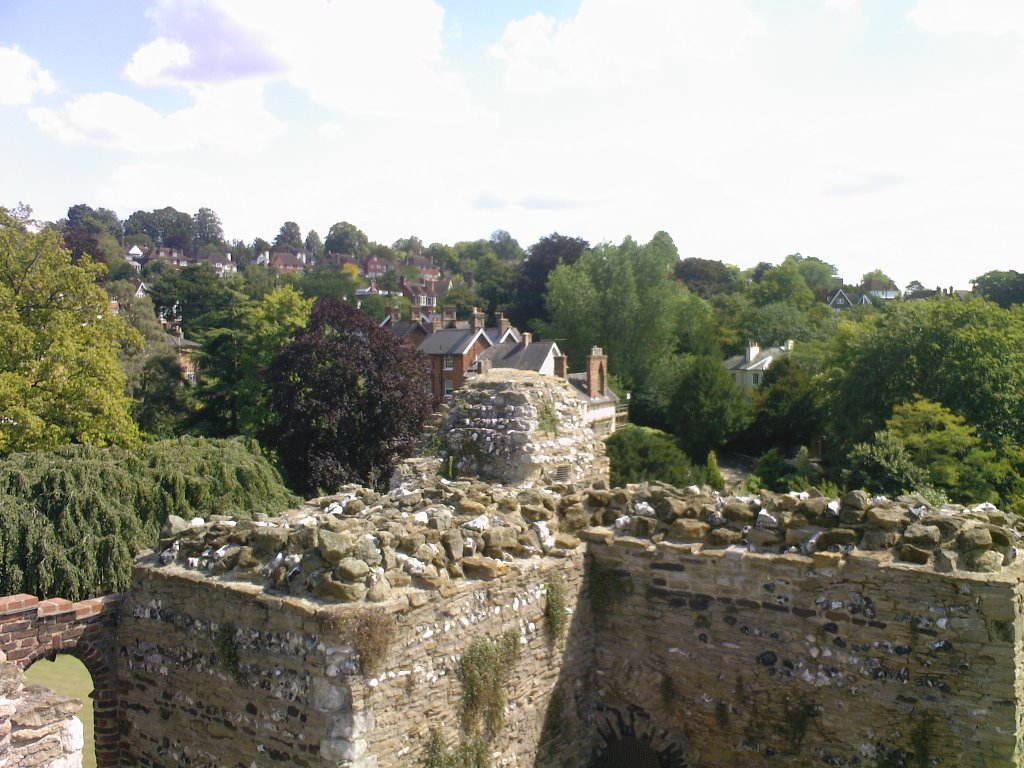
pixel 866 133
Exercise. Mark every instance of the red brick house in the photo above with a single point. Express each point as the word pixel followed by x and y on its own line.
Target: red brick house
pixel 452 351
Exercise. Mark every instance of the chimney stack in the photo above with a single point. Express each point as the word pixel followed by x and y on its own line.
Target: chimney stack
pixel 503 324
pixel 448 316
pixel 597 373
pixel 476 320
pixel 396 314
pixel 752 351
pixel 562 367
pixel 527 339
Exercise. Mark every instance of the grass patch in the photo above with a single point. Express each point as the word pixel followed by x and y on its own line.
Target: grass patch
pixel 226 647
pixel 370 633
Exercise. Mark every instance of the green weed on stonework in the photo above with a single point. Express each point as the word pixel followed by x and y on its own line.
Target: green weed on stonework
pixel 484 670
pixel 555 609
pixel 547 418
pixel 226 647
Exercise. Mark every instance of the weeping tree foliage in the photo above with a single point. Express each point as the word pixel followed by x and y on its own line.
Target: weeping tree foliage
pixel 72 519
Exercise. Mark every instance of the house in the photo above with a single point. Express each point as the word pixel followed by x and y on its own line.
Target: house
pixel 134 258
pixel 426 267
pixel 187 352
pixel 339 260
pixel 221 263
pixel 747 370
pixel 881 289
pixel 839 300
pixel 288 262
pixel 543 357
pixel 420 295
pixel 504 331
pixel 172 256
pixel 409 332
pixel 603 409
pixel 375 266
pixel 452 351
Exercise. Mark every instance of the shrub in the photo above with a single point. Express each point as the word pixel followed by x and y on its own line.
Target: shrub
pixel 72 519
pixel 639 454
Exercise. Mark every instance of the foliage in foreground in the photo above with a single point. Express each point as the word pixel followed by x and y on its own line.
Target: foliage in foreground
pixel 347 400
pixel 72 519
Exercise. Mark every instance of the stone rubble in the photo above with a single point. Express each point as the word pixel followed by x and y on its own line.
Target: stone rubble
pixel 360 545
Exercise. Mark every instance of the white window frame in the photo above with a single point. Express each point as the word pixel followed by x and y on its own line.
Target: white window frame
pixel 448 363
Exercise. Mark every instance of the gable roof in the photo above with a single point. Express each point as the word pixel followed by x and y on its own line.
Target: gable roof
pixel 511 334
pixel 758 362
pixel 452 341
pixel 522 357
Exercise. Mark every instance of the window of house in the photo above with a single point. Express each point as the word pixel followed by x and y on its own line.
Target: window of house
pixel 449 363
pixel 449 387
pixel 757 379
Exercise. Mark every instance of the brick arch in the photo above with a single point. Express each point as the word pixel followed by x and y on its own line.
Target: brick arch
pixel 32 629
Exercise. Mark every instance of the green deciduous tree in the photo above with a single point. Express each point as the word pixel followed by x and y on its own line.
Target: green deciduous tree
pixel 60 381
pixel 949 450
pixel 969 356
pixel 1005 288
pixel 347 238
pixel 289 237
pixel 620 298
pixel 531 279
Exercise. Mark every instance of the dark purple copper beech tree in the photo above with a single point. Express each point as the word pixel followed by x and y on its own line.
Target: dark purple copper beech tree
pixel 346 400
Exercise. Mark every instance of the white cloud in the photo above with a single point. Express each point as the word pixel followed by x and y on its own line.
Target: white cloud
pixel 150 63
pixel 229 117
pixel 21 78
pixel 996 18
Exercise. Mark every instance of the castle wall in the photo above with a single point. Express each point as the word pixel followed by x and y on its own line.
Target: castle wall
pixel 828 660
pixel 297 694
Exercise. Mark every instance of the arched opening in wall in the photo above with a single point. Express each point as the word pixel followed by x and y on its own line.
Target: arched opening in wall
pixel 631 740
pixel 67 676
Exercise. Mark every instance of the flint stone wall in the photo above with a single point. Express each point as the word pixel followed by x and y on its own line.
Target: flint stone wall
pixel 297 693
pixel 37 727
pixel 808 631
pixel 512 427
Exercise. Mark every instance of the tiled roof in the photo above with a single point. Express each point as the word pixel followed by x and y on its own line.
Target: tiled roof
pixel 529 357
pixel 450 341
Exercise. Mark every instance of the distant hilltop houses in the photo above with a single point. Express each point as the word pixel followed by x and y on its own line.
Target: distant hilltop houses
pixel 421 291
pixel 875 291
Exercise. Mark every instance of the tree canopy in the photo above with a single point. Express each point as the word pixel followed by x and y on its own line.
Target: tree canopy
pixel 346 400
pixel 60 380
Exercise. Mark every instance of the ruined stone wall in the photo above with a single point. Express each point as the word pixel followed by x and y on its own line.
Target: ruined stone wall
pixel 296 693
pixel 37 727
pixel 335 635
pixel 847 646
pixel 711 631
pixel 511 426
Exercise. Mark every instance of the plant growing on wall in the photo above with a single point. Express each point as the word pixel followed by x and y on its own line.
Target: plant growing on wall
pixel 370 633
pixel 547 418
pixel 605 587
pixel 226 647
pixel 484 670
pixel 555 608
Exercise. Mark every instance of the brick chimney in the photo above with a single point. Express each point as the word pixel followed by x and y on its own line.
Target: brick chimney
pixel 527 339
pixel 503 324
pixel 597 373
pixel 448 316
pixel 396 314
pixel 476 320
pixel 562 367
